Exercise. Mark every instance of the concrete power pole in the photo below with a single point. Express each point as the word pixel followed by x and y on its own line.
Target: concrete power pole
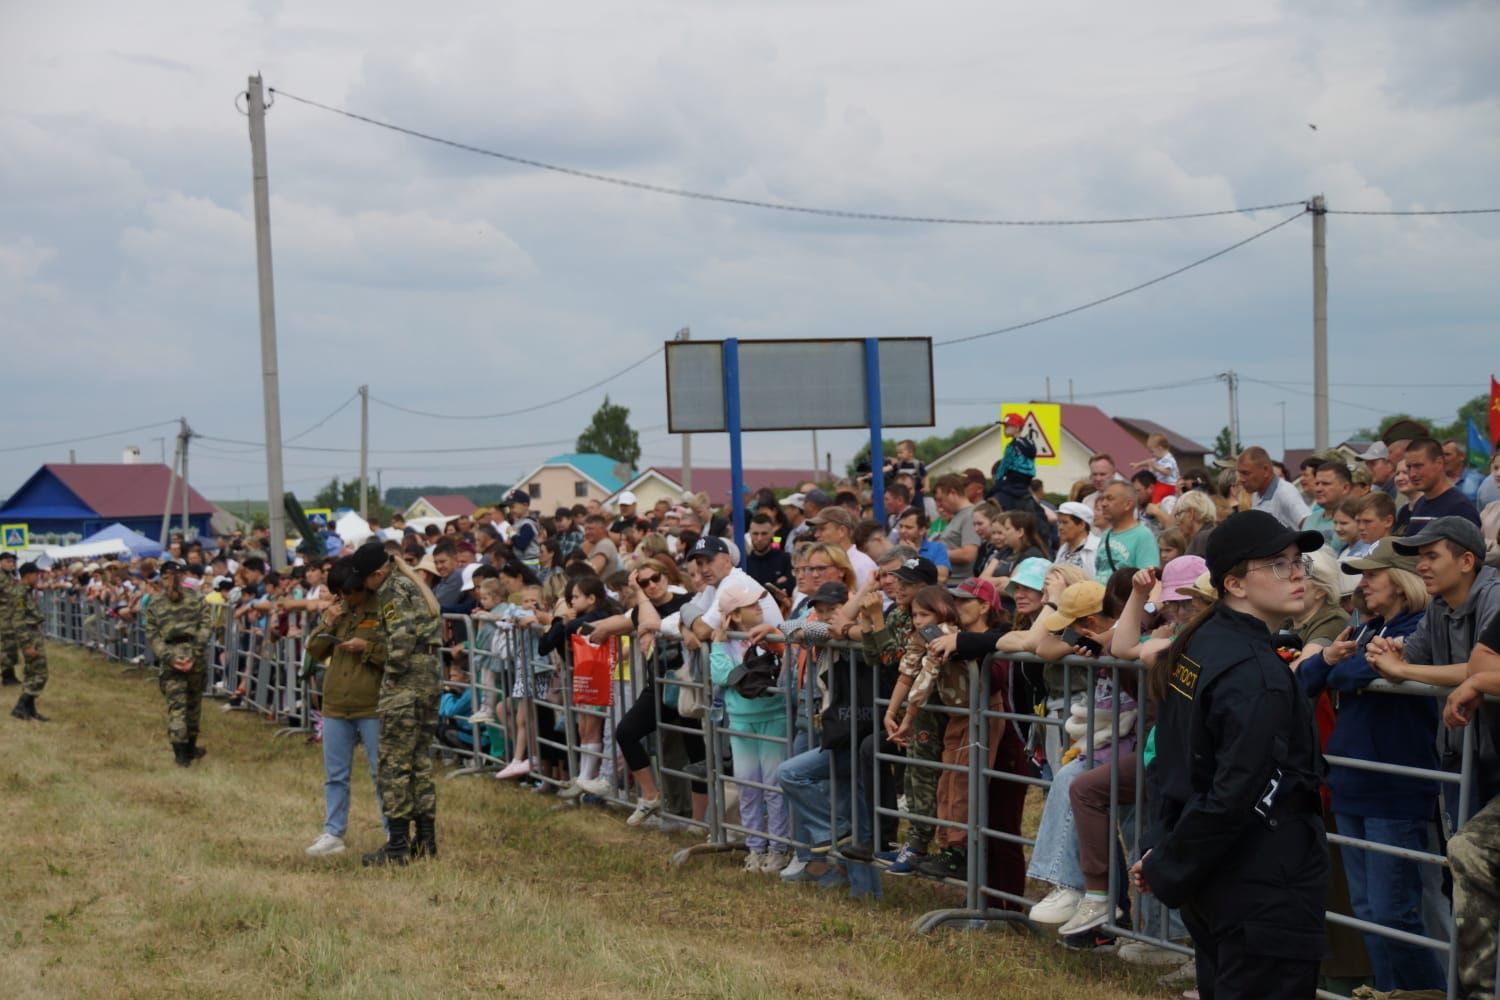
pixel 1320 323
pixel 186 438
pixel 687 439
pixel 166 512
pixel 364 451
pixel 270 383
pixel 1232 380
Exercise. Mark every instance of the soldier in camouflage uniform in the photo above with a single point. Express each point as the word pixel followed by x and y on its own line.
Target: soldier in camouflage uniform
pixel 408 705
pixel 1474 855
pixel 178 627
pixel 23 625
pixel 10 651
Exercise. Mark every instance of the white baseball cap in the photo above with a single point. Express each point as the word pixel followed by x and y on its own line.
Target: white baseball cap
pixel 1079 510
pixel 625 498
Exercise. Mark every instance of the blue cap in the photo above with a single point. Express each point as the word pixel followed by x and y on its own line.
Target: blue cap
pixel 1031 574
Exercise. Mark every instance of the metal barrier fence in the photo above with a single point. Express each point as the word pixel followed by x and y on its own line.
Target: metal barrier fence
pixel 516 692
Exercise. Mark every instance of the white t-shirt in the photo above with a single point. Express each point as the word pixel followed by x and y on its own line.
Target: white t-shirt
pixel 864 566
pixel 709 601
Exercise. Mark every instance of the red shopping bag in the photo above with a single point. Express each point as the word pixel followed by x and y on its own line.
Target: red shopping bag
pixel 593 671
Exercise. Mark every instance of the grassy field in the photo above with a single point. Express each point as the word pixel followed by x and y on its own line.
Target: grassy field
pixel 125 876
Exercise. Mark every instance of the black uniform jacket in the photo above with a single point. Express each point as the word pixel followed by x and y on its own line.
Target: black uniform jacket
pixel 1237 756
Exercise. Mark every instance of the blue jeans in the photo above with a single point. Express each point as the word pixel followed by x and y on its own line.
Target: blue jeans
pixel 1387 890
pixel 1055 857
pixel 805 780
pixel 339 739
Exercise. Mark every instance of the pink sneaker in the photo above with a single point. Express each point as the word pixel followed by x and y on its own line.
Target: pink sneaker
pixel 515 769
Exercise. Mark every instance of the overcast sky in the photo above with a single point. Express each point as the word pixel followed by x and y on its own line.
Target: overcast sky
pixel 464 285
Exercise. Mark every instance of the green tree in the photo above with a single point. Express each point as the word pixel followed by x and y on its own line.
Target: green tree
pixel 1223 447
pixel 346 494
pixel 609 433
pixel 928 448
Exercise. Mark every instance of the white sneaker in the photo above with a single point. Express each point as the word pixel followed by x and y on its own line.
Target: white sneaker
pixel 1057 907
pixel 793 872
pixel 772 863
pixel 601 787
pixel 753 861
pixel 644 808
pixel 1091 913
pixel 325 845
pixel 569 791
pixel 482 716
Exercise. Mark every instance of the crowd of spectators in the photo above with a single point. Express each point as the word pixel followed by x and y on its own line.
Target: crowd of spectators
pixel 965 571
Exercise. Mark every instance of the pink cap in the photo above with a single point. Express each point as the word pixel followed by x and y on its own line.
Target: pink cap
pixel 1178 575
pixel 737 592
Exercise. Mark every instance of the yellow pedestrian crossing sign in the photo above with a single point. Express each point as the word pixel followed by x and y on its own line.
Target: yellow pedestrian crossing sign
pixel 1041 424
pixel 14 536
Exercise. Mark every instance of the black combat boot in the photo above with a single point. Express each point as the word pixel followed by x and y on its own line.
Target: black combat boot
pixel 425 845
pixel 195 752
pixel 183 755
pixel 32 713
pixel 8 677
pixel 397 849
pixel 22 710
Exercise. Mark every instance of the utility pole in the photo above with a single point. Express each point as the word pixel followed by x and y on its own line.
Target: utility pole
pixel 187 436
pixel 1049 388
pixel 815 455
pixel 1233 381
pixel 72 456
pixel 1070 391
pixel 270 382
pixel 1320 323
pixel 364 452
pixel 177 462
pixel 686 334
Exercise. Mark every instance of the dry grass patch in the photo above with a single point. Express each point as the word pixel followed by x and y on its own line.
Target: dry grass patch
pixel 125 876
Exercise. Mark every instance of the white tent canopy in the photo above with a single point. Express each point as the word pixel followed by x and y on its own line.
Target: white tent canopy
pixel 86 550
pixel 352 529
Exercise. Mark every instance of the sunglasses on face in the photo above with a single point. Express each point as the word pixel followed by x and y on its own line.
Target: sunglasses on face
pixel 646 581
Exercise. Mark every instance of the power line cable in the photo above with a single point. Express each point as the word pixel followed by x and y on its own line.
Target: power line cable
pixel 1446 211
pixel 835 213
pixel 89 437
pixel 525 409
pixel 1287 388
pixel 964 400
pixel 339 409
pixel 1128 291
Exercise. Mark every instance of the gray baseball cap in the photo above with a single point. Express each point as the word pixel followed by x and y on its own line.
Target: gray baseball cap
pixel 1458 530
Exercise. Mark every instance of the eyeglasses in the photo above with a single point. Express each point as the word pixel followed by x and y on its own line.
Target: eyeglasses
pixel 646 581
pixel 818 569
pixel 1288 569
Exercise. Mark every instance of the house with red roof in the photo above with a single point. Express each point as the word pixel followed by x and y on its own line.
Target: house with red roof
pixel 65 501
pixel 441 505
pixel 1086 431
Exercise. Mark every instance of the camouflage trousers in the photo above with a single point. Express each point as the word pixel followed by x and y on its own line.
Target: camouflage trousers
pixel 921 783
pixel 407 727
pixel 13 648
pixel 1474 856
pixel 184 694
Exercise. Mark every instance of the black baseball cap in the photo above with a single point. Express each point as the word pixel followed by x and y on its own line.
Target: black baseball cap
pixel 919 570
pixel 170 566
pixel 369 558
pixel 831 592
pixel 518 496
pixel 1458 530
pixel 8 555
pixel 709 546
pixel 1252 534
pixel 30 567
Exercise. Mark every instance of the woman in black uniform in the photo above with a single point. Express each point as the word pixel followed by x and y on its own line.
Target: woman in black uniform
pixel 1237 838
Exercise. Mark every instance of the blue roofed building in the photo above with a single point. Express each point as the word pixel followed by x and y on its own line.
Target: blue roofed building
pixel 64 502
pixel 565 480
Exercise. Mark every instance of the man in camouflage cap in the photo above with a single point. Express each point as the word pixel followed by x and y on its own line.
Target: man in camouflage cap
pixel 408 704
pixel 23 626
pixel 178 624
pixel 10 651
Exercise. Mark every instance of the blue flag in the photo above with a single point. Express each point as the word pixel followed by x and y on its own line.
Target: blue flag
pixel 1478 445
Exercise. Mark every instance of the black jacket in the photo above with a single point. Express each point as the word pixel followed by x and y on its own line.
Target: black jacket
pixel 774 568
pixel 1237 754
